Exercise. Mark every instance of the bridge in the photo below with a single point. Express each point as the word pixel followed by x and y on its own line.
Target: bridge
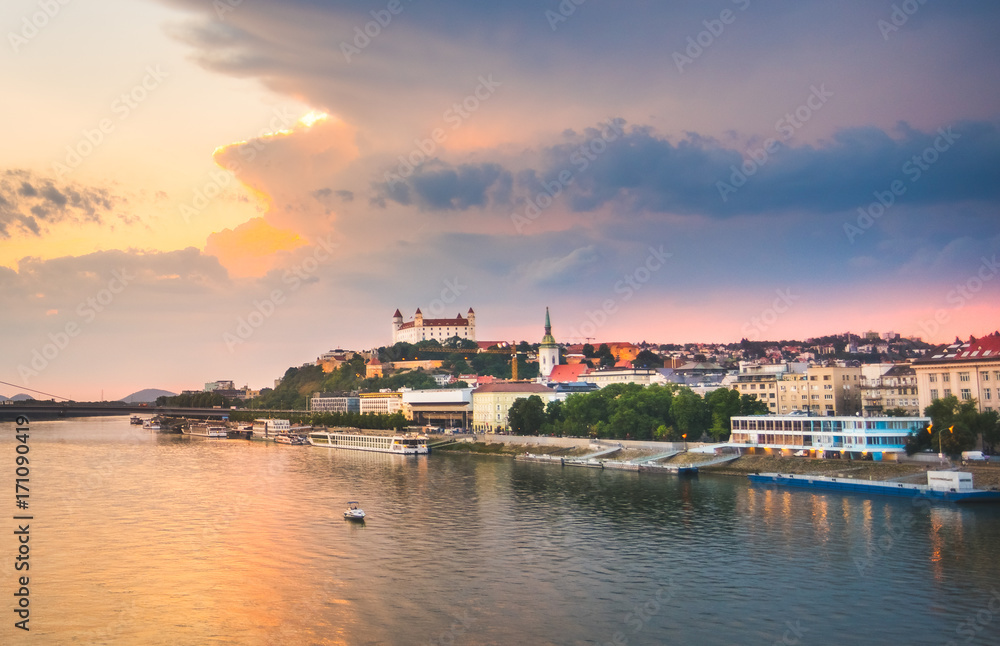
pixel 33 410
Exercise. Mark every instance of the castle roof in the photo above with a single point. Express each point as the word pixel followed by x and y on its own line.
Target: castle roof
pixel 459 321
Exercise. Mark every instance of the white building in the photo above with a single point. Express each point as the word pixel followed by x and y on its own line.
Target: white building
pixel 381 403
pixel 883 438
pixel 422 329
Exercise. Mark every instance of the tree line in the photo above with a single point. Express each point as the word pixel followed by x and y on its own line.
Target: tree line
pixel 667 412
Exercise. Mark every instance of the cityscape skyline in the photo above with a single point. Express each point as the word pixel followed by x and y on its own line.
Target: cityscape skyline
pixel 192 190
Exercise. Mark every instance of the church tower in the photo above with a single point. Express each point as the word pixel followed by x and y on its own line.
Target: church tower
pixel 548 351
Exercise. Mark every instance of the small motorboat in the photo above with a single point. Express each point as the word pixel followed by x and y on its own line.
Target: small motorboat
pixel 354 512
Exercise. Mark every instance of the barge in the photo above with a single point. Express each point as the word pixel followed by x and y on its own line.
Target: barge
pixel 946 486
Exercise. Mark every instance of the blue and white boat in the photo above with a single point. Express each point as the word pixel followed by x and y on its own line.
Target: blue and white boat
pixel 948 486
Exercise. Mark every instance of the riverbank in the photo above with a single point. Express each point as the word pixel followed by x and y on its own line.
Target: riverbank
pixel 983 477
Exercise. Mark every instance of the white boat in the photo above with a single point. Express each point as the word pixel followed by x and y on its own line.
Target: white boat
pixel 135 419
pixel 205 430
pixel 151 425
pixel 265 430
pixel 408 444
pixel 290 439
pixel 354 512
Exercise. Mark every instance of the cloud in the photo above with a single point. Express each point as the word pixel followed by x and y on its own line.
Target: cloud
pixel 437 186
pixel 30 203
pixel 558 270
pixel 252 248
pixel 642 172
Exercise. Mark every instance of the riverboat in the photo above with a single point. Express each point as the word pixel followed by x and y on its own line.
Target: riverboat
pixel 405 444
pixel 265 430
pixel 205 430
pixel 151 425
pixel 946 486
pixel 296 440
pixel 135 419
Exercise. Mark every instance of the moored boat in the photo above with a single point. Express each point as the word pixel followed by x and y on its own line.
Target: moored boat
pixel 206 430
pixel 401 444
pixel 265 430
pixel 296 440
pixel 151 424
pixel 948 486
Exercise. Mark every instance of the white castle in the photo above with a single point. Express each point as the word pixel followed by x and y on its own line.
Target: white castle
pixel 421 329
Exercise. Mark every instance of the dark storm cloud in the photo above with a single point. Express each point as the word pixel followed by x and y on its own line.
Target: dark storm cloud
pixel 643 172
pixel 441 187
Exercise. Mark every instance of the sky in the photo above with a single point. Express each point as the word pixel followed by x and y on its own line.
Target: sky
pixel 193 191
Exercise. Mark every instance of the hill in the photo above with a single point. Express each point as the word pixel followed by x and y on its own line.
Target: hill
pixel 146 396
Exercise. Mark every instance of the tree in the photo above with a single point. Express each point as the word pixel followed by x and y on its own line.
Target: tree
pixel 990 430
pixel 647 359
pixel 723 404
pixel 689 413
pixel 607 359
pixel 953 429
pixel 526 415
pixel 588 350
pixel 896 412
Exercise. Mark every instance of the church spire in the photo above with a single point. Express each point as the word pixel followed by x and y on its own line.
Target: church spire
pixel 548 324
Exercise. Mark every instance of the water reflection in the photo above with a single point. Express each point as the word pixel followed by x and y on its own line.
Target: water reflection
pixel 163 540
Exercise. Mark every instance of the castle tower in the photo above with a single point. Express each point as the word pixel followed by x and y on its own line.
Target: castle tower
pixel 397 322
pixel 471 317
pixel 418 318
pixel 548 351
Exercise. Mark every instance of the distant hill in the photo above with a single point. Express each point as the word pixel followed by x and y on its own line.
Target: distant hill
pixel 19 397
pixel 146 396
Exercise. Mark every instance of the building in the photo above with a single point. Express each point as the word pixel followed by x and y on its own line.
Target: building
pixel 374 368
pixel 548 351
pixel 381 403
pixel 969 370
pixel 881 438
pixel 222 384
pixel 335 403
pixel 641 376
pixel 446 407
pixel 824 390
pixel 421 329
pixel 332 360
pixel 894 388
pixel 492 402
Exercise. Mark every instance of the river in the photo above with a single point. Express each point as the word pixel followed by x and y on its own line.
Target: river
pixel 143 538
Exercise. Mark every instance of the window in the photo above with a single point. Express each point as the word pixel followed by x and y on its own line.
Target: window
pixel 945 377
pixel 827 396
pixel 966 394
pixel 826 377
pixel 986 394
pixel 984 375
pixel 932 378
pixel 947 392
pixel 934 393
pixel 963 376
